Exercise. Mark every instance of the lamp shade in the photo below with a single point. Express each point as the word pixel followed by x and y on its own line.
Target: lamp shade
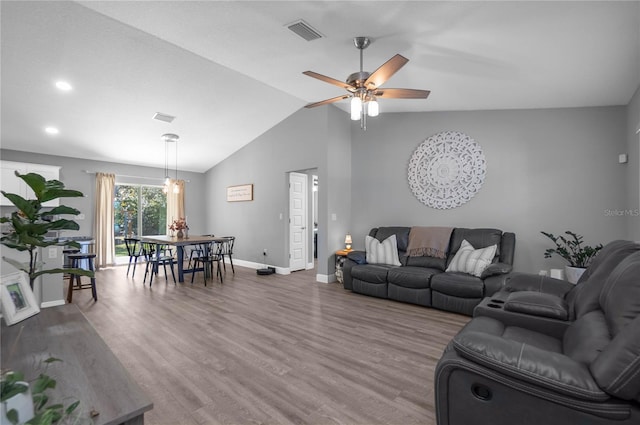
pixel 356 108
pixel 372 108
pixel 347 239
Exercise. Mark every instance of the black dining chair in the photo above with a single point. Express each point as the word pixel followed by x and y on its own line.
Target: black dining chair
pixel 134 249
pixel 227 251
pixel 154 261
pixel 212 253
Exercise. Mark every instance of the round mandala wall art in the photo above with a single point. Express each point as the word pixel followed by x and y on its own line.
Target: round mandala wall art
pixel 447 170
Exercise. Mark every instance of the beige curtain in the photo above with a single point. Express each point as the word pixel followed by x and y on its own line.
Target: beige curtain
pixel 175 202
pixel 103 220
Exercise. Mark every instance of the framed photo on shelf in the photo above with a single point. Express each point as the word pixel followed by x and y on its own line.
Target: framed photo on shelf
pixel 18 301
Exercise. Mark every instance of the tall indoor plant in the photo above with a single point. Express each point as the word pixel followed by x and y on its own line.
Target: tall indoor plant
pixel 572 250
pixel 31 223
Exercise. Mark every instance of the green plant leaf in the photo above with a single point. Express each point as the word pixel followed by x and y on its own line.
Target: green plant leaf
pixel 17 264
pixel 27 207
pixel 72 407
pixel 59 210
pixel 12 415
pixel 35 181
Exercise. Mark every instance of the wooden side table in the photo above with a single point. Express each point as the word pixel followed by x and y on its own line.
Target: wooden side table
pixel 341 255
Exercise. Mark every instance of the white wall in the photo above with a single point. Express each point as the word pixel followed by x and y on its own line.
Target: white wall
pixel 550 169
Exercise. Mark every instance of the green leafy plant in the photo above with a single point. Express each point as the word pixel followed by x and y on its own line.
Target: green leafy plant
pixel 29 226
pixel 571 249
pixel 44 413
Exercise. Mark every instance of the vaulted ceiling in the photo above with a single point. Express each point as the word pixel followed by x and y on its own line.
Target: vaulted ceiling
pixel 230 70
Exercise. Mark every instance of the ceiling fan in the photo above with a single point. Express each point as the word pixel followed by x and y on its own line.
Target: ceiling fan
pixel 364 88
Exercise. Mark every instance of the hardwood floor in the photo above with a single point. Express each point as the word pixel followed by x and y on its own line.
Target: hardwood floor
pixel 270 349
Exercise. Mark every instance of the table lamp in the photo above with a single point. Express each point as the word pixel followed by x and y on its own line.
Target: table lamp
pixel 348 242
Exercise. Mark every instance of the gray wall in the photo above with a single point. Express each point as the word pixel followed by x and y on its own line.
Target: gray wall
pixel 73 176
pixel 551 169
pixel 633 167
pixel 304 141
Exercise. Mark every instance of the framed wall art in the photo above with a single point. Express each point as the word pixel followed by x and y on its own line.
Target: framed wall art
pixel 243 192
pixel 18 301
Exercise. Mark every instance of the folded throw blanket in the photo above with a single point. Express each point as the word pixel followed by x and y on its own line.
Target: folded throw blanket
pixel 429 241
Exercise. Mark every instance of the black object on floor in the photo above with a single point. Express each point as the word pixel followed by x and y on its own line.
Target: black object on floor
pixel 266 271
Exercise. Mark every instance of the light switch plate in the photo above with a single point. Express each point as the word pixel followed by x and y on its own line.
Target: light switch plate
pixel 53 252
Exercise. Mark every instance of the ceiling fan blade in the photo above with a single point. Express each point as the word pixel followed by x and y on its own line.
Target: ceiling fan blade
pixel 402 94
pixel 385 72
pixel 324 102
pixel 330 80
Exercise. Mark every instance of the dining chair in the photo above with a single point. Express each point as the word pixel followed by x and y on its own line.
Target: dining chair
pixel 134 250
pixel 154 261
pixel 228 251
pixel 212 254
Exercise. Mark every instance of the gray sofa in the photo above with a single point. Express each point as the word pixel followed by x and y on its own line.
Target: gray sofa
pixel 495 373
pixel 423 280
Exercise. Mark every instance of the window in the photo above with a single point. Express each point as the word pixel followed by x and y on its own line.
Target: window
pixel 139 210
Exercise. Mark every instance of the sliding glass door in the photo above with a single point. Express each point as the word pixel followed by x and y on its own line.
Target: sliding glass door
pixel 139 210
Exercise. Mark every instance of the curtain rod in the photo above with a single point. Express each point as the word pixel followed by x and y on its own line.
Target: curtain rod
pixel 132 177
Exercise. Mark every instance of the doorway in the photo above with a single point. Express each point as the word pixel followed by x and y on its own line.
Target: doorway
pixel 298 221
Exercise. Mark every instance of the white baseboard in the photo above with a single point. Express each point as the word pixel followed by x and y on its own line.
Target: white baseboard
pixel 309 266
pixel 255 266
pixel 326 278
pixel 54 303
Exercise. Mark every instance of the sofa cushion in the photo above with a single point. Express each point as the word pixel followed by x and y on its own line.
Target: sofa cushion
pixel 471 260
pixel 411 277
pixel 458 284
pixel 402 235
pixel 537 304
pixel 479 238
pixel 372 273
pixel 430 262
pixel 385 252
pixel 586 337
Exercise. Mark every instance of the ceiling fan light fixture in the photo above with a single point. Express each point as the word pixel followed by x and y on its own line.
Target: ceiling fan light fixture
pixel 356 108
pixel 373 109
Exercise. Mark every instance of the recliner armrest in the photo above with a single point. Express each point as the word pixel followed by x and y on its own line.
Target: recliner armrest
pixel 358 257
pixel 546 369
pixel 495 269
pixel 537 283
pixel 537 304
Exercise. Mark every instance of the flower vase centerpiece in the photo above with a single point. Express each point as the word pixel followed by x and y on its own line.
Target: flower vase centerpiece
pixel 180 227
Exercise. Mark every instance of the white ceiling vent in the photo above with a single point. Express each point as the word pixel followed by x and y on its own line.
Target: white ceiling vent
pixel 304 30
pixel 163 117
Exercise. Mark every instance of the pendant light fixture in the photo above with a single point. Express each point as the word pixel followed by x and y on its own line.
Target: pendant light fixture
pixel 170 138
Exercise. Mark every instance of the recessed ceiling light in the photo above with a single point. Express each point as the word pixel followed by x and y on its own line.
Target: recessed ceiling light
pixel 63 85
pixel 51 130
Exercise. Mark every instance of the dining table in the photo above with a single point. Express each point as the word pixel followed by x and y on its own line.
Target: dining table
pixel 180 243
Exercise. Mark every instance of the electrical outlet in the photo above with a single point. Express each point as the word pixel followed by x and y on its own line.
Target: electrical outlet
pixel 53 252
pixel 80 217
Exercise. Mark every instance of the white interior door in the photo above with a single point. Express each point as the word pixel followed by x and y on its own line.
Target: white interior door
pixel 298 221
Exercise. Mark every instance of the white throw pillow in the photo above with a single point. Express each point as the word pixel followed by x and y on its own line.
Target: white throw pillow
pixel 470 260
pixel 385 252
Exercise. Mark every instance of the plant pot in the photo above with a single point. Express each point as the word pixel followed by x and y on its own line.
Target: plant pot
pixel 180 234
pixel 22 403
pixel 573 273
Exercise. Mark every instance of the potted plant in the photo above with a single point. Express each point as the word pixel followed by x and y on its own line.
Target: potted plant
pixel 27 403
pixel 571 249
pixel 30 224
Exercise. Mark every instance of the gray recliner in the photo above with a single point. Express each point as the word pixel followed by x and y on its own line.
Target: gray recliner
pixel 497 374
pixel 549 304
